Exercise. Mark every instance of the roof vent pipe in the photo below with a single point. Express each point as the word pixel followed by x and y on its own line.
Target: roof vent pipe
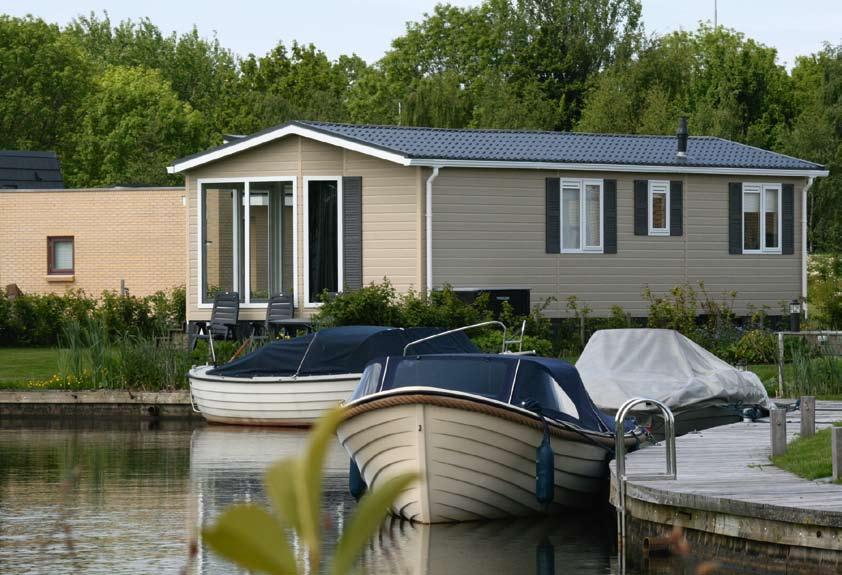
pixel 681 152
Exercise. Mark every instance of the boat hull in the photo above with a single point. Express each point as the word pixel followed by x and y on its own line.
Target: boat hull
pixel 474 462
pixel 285 401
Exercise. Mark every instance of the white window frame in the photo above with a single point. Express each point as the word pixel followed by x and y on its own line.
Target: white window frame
pixel 246 303
pixel 306 237
pixel 659 187
pixel 581 185
pixel 761 189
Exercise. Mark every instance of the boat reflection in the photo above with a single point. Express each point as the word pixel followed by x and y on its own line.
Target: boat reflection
pixel 227 466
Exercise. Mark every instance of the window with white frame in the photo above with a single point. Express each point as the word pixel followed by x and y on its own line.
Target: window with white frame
pixel 581 215
pixel 247 238
pixel 761 218
pixel 659 208
pixel 322 237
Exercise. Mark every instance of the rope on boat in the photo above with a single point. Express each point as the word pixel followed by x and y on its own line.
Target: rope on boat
pixel 556 429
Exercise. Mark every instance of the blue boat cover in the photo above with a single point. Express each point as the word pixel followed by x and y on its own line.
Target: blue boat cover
pixel 338 350
pixel 530 382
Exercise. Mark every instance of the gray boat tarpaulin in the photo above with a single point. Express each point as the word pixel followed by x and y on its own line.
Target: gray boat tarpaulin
pixel 662 364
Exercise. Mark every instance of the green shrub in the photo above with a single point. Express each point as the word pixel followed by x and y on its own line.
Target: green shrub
pixel 675 310
pixel 755 346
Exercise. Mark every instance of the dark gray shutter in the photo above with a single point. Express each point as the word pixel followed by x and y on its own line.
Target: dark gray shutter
pixel 788 219
pixel 676 208
pixel 553 215
pixel 735 218
pixel 609 192
pixel 352 232
pixel 641 207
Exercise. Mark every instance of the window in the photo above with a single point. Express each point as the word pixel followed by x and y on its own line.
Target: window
pixel 60 255
pixel 659 208
pixel 247 238
pixel 322 237
pixel 581 215
pixel 761 218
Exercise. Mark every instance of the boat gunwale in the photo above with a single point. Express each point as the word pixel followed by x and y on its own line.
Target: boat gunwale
pixel 196 375
pixel 471 402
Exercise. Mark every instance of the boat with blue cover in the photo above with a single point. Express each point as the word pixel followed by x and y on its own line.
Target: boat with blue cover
pixel 293 382
pixel 490 436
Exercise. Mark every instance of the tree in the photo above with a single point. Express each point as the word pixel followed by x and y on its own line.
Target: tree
pixel 817 135
pixel 133 126
pixel 728 85
pixel 44 78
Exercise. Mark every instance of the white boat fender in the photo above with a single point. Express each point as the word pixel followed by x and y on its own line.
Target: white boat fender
pixel 356 483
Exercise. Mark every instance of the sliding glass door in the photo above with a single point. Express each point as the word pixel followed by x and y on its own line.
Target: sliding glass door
pixel 247 239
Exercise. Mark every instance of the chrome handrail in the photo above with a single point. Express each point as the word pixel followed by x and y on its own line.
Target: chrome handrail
pixel 458 329
pixel 620 458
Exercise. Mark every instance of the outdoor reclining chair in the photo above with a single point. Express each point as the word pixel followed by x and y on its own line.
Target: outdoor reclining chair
pixel 279 317
pixel 223 321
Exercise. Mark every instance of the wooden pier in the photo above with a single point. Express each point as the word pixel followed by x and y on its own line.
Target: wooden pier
pixel 733 502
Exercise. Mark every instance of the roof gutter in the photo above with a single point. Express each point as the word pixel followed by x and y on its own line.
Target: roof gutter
pixel 639 168
pixel 429 227
pixel 804 243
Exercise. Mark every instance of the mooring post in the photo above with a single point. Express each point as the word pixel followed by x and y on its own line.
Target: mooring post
pixel 777 428
pixel 780 364
pixel 836 449
pixel 808 416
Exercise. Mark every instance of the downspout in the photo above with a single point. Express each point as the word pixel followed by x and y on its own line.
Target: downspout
pixel 804 244
pixel 429 221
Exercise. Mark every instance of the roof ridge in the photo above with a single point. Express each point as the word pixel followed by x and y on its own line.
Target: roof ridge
pixel 497 130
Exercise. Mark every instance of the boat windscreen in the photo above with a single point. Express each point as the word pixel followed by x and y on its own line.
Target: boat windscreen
pixel 483 376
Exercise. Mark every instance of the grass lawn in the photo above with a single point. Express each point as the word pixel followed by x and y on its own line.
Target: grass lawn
pixel 19 365
pixel 808 457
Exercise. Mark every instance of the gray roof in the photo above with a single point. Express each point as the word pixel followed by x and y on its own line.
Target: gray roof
pixel 29 170
pixel 546 147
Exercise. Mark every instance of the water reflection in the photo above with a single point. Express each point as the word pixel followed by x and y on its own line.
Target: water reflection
pixel 141 490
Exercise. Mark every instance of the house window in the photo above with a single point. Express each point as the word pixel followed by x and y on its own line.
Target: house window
pixel 761 218
pixel 581 215
pixel 60 255
pixel 247 239
pixel 322 233
pixel 659 208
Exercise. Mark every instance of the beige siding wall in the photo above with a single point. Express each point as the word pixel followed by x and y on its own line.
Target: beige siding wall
pixel 488 231
pixel 390 202
pixel 138 235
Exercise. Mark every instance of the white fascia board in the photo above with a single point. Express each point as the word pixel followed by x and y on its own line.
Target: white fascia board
pixel 617 168
pixel 289 130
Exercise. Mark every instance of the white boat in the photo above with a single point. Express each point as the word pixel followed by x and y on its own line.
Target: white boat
pixel 469 425
pixel 702 390
pixel 294 382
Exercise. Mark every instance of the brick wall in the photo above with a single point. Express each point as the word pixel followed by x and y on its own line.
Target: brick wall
pixel 135 234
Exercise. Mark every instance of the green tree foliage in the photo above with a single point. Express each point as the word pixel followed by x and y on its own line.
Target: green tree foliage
pixel 817 135
pixel 729 86
pixel 44 78
pixel 133 126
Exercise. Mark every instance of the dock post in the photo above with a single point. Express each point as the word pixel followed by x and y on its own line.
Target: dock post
pixel 836 450
pixel 777 428
pixel 780 364
pixel 808 416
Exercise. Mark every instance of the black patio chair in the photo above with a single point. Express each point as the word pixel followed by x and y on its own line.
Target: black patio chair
pixel 279 317
pixel 223 321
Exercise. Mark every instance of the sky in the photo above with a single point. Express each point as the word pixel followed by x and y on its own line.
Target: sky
pixel 366 27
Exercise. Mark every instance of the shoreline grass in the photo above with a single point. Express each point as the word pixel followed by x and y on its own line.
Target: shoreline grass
pixel 808 457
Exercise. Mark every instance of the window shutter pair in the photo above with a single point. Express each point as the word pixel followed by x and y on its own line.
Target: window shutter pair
pixel 735 218
pixel 352 232
pixel 641 208
pixel 552 213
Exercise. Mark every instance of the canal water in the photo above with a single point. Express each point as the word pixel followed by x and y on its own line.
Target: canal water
pixel 107 498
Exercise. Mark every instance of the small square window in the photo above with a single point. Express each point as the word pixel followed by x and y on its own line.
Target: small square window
pixel 60 255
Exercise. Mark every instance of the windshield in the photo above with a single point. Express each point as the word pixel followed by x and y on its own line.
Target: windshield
pixel 475 375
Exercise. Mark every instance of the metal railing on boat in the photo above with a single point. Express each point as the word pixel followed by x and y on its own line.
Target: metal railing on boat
pixel 620 463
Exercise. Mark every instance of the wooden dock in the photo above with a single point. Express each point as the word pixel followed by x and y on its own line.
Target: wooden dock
pixel 729 498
